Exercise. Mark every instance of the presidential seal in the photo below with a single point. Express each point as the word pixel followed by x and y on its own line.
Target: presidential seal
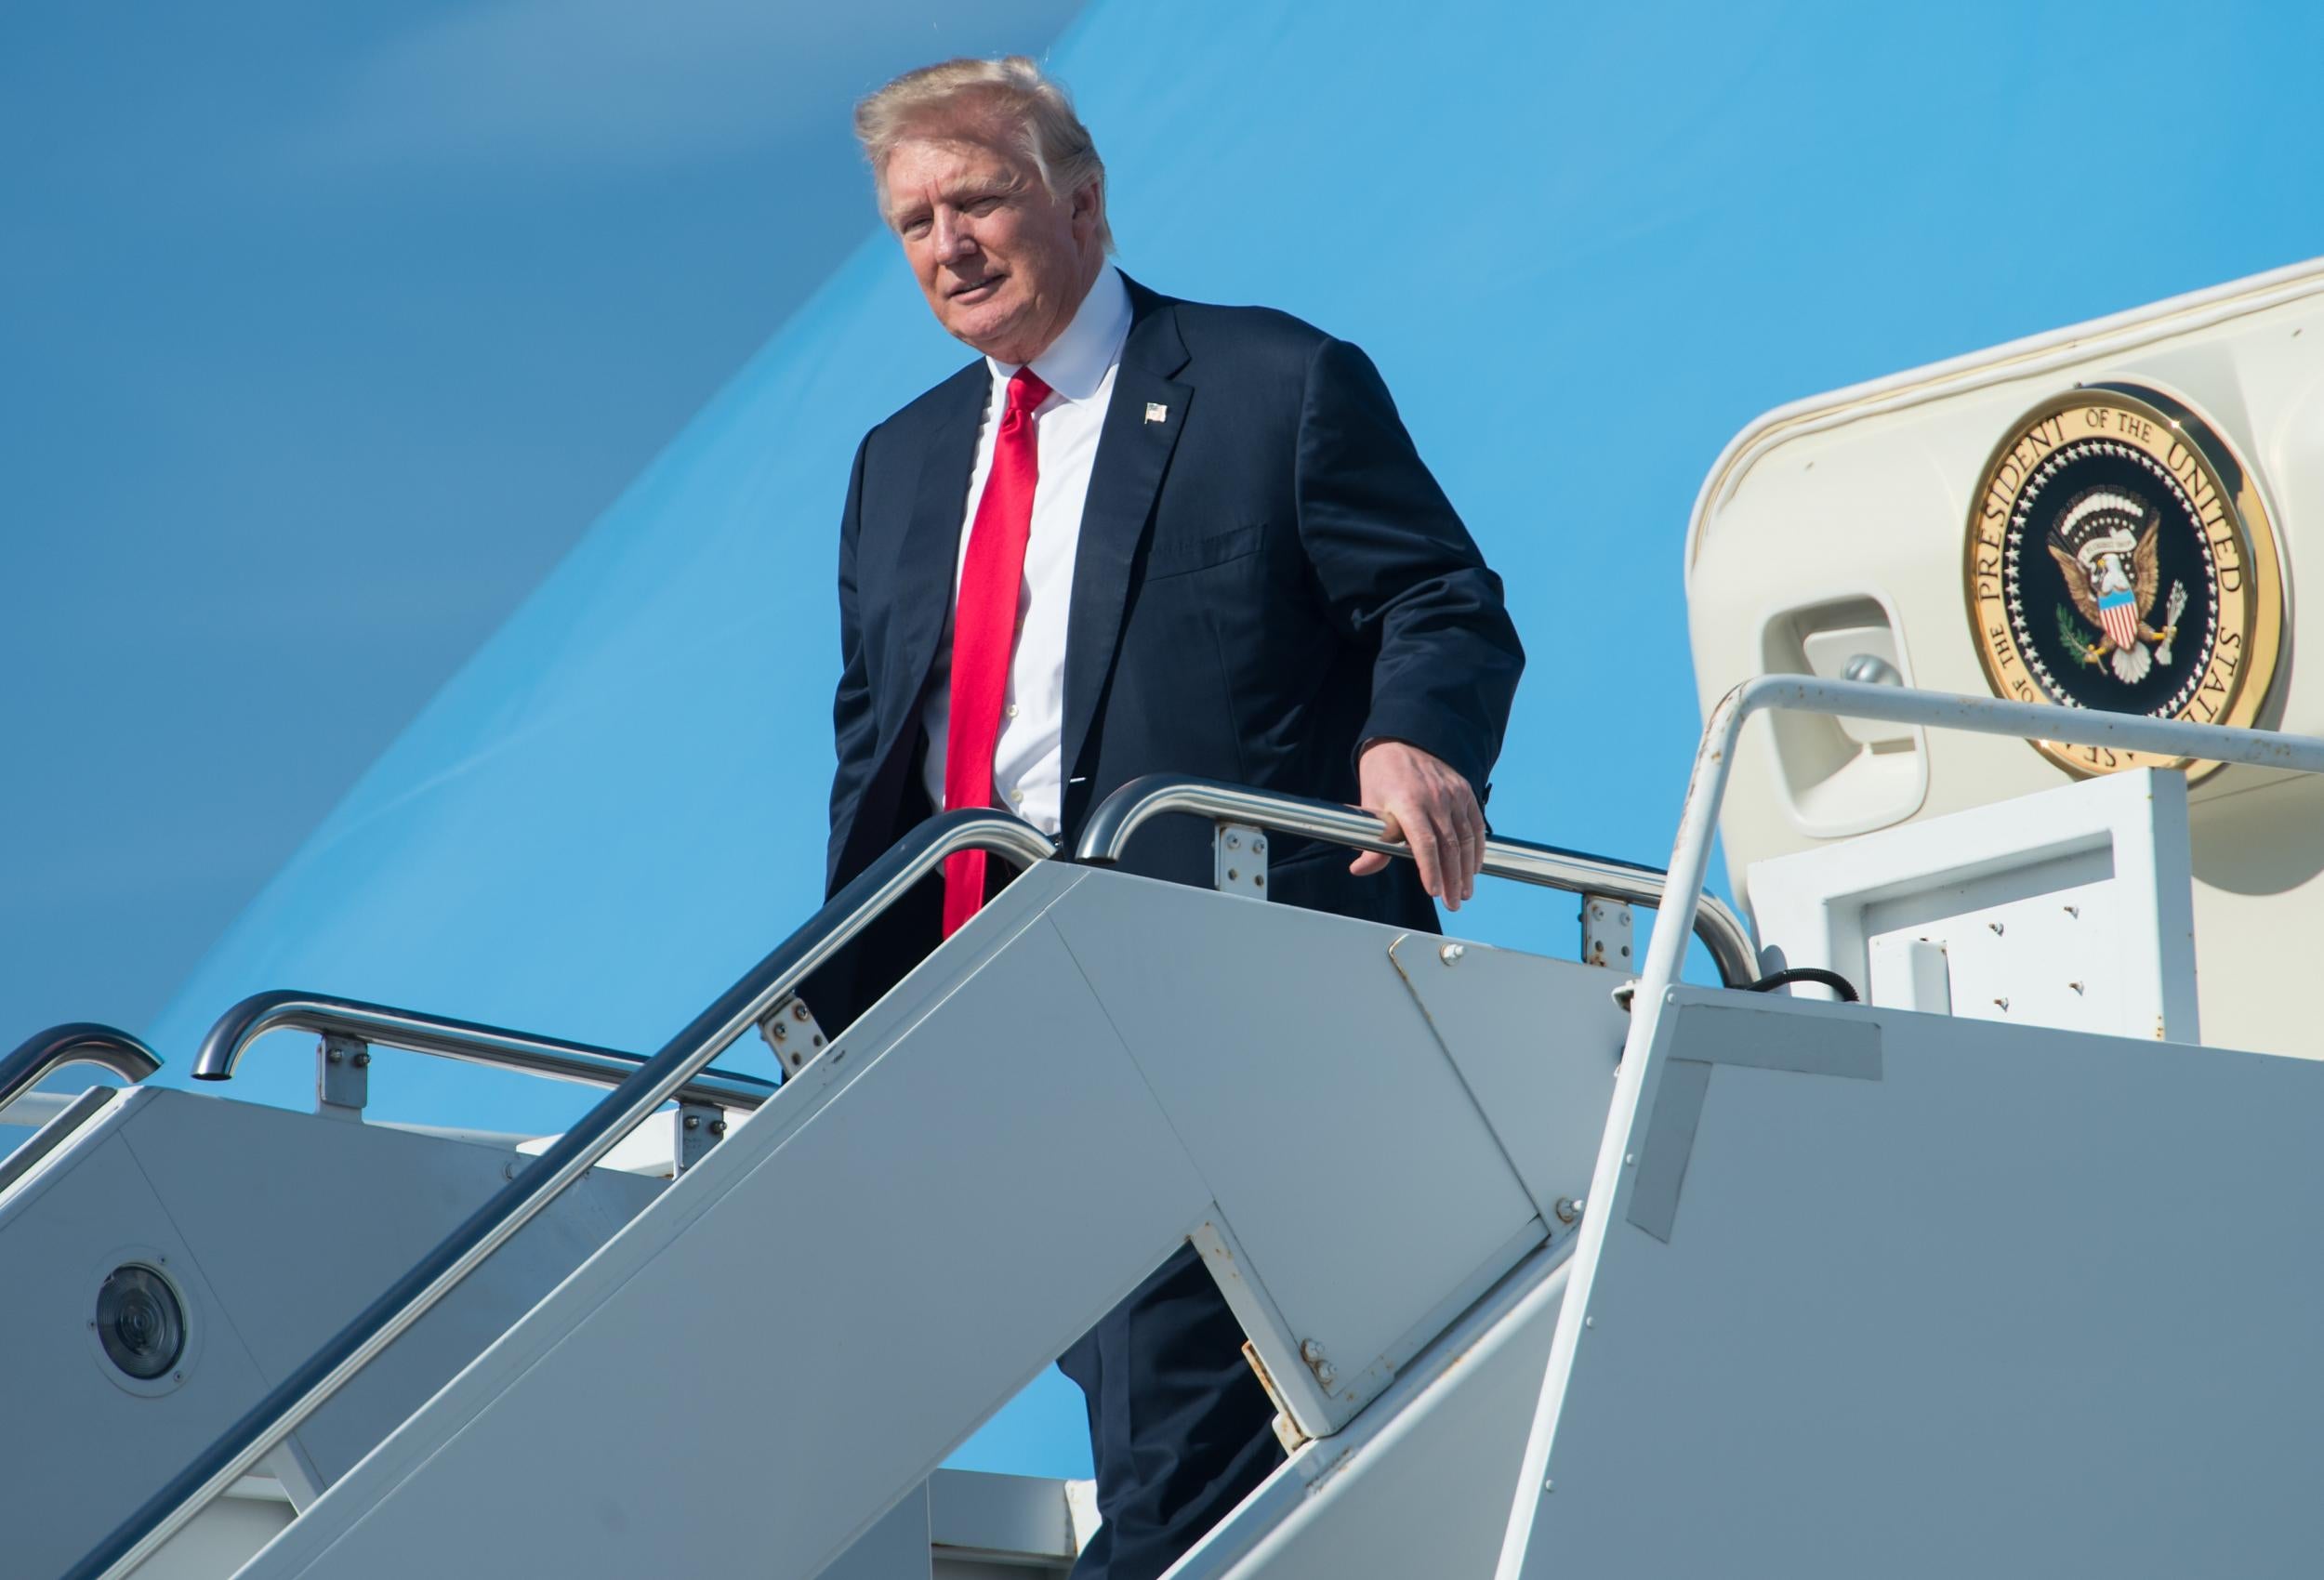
pixel 2120 557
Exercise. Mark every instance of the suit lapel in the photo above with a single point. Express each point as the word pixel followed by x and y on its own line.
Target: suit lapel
pixel 929 553
pixel 1133 453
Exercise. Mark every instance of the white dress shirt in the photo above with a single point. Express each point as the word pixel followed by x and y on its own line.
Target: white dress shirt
pixel 1028 773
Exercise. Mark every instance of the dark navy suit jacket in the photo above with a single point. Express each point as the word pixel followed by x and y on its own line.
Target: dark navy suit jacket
pixel 1267 577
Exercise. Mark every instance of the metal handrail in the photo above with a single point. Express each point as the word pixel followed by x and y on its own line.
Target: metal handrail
pixel 439 1035
pixel 75 1042
pixel 1714 759
pixel 1120 815
pixel 274 1417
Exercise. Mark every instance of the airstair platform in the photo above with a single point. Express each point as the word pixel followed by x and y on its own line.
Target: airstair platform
pixel 1100 1067
pixel 1548 1269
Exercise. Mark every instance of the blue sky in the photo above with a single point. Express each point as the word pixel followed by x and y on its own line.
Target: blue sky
pixel 313 422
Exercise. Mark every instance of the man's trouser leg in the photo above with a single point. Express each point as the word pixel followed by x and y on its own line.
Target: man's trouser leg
pixel 1179 1427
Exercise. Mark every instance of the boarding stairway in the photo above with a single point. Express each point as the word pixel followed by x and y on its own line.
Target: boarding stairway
pixel 1063 1111
pixel 1441 1186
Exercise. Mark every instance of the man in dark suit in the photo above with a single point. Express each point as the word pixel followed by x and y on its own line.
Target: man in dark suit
pixel 1140 535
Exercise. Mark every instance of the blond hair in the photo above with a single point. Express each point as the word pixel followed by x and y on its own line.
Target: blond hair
pixel 1011 98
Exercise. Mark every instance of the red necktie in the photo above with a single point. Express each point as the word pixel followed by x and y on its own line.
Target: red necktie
pixel 984 631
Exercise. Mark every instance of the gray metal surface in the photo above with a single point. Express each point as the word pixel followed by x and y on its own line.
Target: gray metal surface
pixel 33 1109
pixel 54 1134
pixel 1690 858
pixel 1020 1519
pixel 2035 1302
pixel 1543 1085
pixel 979 1197
pixel 966 1526
pixel 1120 815
pixel 354 1023
pixel 1096 1067
pixel 1419 1486
pixel 76 1042
pixel 654 1082
pixel 1304 1081
pixel 1761 1033
pixel 273 1228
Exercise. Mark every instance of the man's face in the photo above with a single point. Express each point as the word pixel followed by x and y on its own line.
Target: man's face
pixel 1003 264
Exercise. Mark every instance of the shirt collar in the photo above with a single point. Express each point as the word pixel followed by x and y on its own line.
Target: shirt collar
pixel 1077 361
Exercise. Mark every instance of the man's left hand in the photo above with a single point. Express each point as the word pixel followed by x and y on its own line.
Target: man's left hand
pixel 1428 807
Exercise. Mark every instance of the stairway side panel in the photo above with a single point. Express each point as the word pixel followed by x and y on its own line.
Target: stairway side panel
pixel 1342 1142
pixel 2031 1302
pixel 301 1222
pixel 795 1335
pixel 69 1424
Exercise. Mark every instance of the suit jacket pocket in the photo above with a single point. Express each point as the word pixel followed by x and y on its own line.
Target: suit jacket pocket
pixel 1178 555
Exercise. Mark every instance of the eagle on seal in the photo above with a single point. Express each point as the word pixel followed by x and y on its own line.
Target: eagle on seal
pixel 2107 543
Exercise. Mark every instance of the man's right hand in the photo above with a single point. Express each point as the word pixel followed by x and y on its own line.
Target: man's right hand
pixel 1424 801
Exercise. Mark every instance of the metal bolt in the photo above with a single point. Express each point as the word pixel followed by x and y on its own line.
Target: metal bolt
pixel 693 1121
pixel 1549 1486
pixel 331 1055
pixel 1231 874
pixel 1629 1158
pixel 361 1060
pixel 1311 1352
pixel 1259 880
pixel 1590 1321
pixel 1568 1210
pixel 1234 842
pixel 1451 953
pixel 1258 846
pixel 799 1009
pixel 718 1127
pixel 780 1029
pixel 818 1039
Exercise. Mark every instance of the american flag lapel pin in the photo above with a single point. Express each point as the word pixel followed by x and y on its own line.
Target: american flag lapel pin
pixel 1157 412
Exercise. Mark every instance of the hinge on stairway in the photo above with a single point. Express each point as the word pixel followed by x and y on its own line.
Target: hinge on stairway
pixel 1288 1431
